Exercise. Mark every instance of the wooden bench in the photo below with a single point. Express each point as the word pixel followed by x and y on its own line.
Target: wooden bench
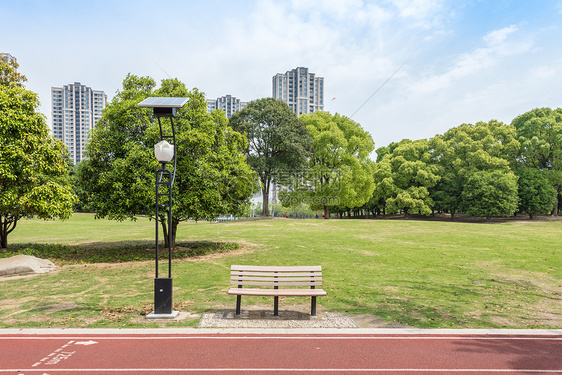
pixel 271 278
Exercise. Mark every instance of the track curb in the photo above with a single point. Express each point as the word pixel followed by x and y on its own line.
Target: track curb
pixel 277 331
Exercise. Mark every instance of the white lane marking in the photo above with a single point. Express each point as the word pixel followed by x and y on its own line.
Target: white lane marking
pixel 219 337
pixel 56 356
pixel 85 343
pixel 60 354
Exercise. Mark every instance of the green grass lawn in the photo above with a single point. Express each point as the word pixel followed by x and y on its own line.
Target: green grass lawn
pixel 427 274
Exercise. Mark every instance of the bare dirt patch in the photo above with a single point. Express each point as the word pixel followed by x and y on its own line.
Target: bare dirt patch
pixel 56 307
pixel 541 310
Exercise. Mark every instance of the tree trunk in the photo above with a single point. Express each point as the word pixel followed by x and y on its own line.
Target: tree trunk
pixel 175 223
pixel 265 206
pixel 3 233
pixel 326 212
pixel 265 197
pixel 452 215
pixel 3 239
pixel 7 225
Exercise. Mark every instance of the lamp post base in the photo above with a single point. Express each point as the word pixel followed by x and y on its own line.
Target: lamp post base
pixel 163 295
pixel 154 315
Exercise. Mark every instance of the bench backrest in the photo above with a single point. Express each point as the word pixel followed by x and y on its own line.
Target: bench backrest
pixel 274 277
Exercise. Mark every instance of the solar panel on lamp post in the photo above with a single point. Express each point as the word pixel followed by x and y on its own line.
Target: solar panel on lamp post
pixel 164 153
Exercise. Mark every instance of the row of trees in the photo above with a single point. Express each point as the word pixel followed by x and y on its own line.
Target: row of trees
pixel 486 169
pixel 321 161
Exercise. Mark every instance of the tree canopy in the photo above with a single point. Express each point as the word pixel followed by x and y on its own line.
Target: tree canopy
pixel 33 169
pixel 466 150
pixel 404 176
pixel 490 194
pixel 279 144
pixel 536 193
pixel 540 135
pixel 118 179
pixel 339 172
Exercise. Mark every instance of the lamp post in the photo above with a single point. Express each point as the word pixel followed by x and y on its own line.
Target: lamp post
pixel 164 153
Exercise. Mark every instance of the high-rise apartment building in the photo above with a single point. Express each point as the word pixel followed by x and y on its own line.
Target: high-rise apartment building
pixel 7 57
pixel 300 89
pixel 76 109
pixel 229 104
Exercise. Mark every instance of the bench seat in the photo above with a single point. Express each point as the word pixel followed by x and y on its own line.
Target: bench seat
pixel 277 292
pixel 266 280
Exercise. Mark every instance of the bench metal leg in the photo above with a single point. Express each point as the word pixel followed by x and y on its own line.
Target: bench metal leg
pixel 238 303
pixel 275 306
pixel 313 306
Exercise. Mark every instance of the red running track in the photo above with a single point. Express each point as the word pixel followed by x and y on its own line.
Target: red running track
pixel 279 354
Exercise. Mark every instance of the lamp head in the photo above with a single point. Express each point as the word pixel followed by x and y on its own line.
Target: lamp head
pixel 163 151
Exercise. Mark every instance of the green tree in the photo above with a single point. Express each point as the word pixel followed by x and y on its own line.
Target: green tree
pixel 465 150
pixel 490 193
pixel 339 171
pixel 404 175
pixel 540 135
pixel 33 171
pixel 118 179
pixel 536 193
pixel 279 144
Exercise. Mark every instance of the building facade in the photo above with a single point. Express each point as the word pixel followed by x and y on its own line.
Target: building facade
pixel 228 103
pixel 7 57
pixel 300 89
pixel 76 109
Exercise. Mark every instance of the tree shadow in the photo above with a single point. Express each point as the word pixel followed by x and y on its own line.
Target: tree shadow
pixel 518 352
pixel 115 252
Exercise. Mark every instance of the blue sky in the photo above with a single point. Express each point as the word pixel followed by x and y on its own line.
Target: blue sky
pixel 459 61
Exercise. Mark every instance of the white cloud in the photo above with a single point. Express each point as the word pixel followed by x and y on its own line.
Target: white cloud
pixel 348 11
pixel 498 49
pixel 418 9
pixel 498 37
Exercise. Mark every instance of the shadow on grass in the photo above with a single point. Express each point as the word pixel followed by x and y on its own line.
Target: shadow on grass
pixel 115 252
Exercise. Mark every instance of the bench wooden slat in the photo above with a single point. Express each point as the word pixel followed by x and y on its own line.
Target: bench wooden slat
pixel 274 279
pixel 271 284
pixel 251 273
pixel 277 292
pixel 277 269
